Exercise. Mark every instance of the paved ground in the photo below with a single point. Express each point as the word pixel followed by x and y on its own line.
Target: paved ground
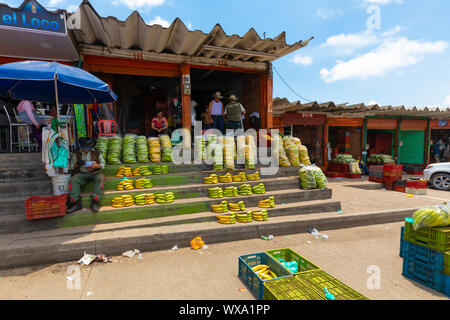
pixel 212 274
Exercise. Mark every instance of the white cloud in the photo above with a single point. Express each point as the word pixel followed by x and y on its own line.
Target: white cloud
pixel 372 102
pixel 72 8
pixel 54 3
pixel 352 40
pixel 160 21
pixel 393 31
pixel 329 13
pixel 189 26
pixel 388 56
pixel 135 4
pixel 301 60
pixel 447 101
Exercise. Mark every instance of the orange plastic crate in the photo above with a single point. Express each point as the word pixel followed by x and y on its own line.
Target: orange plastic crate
pixel 46 207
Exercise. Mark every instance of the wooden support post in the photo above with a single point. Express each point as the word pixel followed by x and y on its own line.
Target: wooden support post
pixel 185 98
pixel 427 142
pixel 364 141
pixel 398 134
pixel 266 98
pixel 325 142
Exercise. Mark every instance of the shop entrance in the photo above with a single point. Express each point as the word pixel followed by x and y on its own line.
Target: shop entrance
pixel 345 140
pixel 381 142
pixel 312 138
pixel 441 138
pixel 246 86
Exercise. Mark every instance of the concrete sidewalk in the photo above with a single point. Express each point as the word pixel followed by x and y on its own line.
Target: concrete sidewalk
pixel 212 274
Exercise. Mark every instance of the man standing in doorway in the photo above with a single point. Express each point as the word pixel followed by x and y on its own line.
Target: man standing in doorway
pixel 233 113
pixel 216 112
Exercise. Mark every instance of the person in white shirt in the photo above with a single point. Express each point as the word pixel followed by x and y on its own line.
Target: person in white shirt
pixel 216 112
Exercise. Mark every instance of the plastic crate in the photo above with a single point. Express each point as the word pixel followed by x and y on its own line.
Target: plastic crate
pixel 375 174
pixel 353 176
pixel 436 261
pixel 378 169
pixel 391 179
pixel 402 242
pixel 319 280
pixel 424 274
pixel 290 289
pixel 46 207
pixel 446 290
pixel 388 185
pixel 393 168
pixel 290 255
pixel 433 238
pixel 416 191
pixel 251 280
pixel 400 189
pixel 377 180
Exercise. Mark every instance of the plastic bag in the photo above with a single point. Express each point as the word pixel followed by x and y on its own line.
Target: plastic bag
pixel 321 179
pixel 434 216
pixel 228 152
pixel 292 151
pixel 154 149
pixel 166 147
pixel 142 149
pixel 250 152
pixel 303 154
pixel 114 150
pixel 307 178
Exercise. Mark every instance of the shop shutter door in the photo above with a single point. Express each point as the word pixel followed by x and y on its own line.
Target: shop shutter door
pixel 413 149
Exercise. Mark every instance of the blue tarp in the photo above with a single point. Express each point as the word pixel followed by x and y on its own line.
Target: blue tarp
pixel 35 81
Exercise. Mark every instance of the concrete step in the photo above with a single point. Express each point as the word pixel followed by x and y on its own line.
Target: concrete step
pixel 12 205
pixel 45 247
pixel 36 173
pixel 26 189
pixel 20 160
pixel 18 224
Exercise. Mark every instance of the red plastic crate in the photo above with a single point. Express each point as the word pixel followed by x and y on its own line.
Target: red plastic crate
pixel 353 176
pixel 390 179
pixel 46 207
pixel 393 168
pixel 389 185
pixel 422 185
pixel 397 174
pixel 400 189
pixel 412 184
pixel 377 180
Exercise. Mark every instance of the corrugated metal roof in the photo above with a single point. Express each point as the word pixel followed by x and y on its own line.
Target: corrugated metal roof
pixel 134 33
pixel 282 106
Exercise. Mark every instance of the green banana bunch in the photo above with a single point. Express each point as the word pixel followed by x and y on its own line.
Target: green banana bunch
pixel 230 192
pixel 220 208
pixel 259 189
pixel 244 217
pixel 260 216
pixel 140 200
pixel 215 192
pixel 227 219
pixel 245 190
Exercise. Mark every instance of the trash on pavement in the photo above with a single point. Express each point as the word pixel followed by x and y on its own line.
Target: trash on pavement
pixel 175 247
pixel 242 289
pixel 87 259
pixel 197 243
pixel 89 293
pixel 205 247
pixel 267 238
pixel 318 235
pixel 340 211
pixel 132 253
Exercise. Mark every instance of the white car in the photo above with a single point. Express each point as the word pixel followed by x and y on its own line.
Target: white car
pixel 438 174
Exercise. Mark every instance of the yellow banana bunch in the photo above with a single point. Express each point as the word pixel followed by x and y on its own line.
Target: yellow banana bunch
pixel 212 179
pixel 215 192
pixel 227 218
pixel 268 203
pixel 226 178
pixel 154 149
pixel 244 217
pixel 240 206
pixel 253 176
pixel 125 184
pixel 136 172
pixel 260 216
pixel 143 183
pixel 264 272
pixel 259 189
pixel 123 201
pixel 124 172
pixel 150 198
pixel 220 208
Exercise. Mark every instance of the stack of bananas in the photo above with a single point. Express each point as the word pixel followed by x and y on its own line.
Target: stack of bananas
pixel 244 217
pixel 143 183
pixel 125 184
pixel 226 178
pixel 169 197
pixel 155 149
pixel 231 192
pixel 129 149
pixel 114 150
pixel 215 192
pixel 139 200
pixel 142 149
pixel 123 201
pixel 250 152
pixel 166 146
pixel 264 272
pixel 260 216
pixel 150 198
pixel 137 172
pixel 124 172
pixel 253 176
pixel 268 203
pixel 245 190
pixel 241 177
pixel 259 189
pixel 220 208
pixel 240 206
pixel 229 152
pixel 212 179
pixel 227 218
pixel 142 171
pixel 161 170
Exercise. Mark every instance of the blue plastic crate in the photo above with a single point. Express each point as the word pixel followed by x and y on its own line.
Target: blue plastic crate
pixel 253 283
pixel 402 241
pixel 435 260
pixel 422 273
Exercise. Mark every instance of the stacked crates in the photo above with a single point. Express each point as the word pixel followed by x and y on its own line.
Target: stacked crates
pixel 304 282
pixel 416 187
pixel 391 174
pixel 426 256
pixel 376 174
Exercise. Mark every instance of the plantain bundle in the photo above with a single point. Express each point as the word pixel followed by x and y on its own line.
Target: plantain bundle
pixel 124 172
pixel 292 151
pixel 102 145
pixel 245 190
pixel 129 149
pixel 142 171
pixel 267 203
pixel 160 170
pixel 240 206
pixel 227 218
pixel 229 152
pixel 260 216
pixel 226 178
pixel 154 149
pixel 125 184
pixel 241 177
pixel 244 217
pixel 114 150
pixel 259 189
pixel 218 157
pixel 150 198
pixel 240 149
pixel 143 184
pixel 279 151
pixel 230 192
pixel 139 200
pixel 220 208
pixel 253 176
pixel 123 201
pixel 142 149
pixel 212 179
pixel 250 152
pixel 199 148
pixel 215 192
pixel 166 146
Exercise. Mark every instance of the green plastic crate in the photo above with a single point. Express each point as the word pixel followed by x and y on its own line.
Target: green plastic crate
pixel 290 255
pixel 319 279
pixel 290 289
pixel 433 238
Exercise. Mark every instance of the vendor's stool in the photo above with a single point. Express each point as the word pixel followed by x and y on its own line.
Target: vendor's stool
pixel 16 124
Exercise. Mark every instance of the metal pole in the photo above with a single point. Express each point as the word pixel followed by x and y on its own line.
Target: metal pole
pixel 57 97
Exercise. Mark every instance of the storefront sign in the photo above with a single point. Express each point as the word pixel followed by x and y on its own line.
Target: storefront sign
pixel 32 16
pixel 80 120
pixel 443 123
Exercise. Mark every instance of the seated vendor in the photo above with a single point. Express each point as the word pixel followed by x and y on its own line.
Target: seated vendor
pixel 159 125
pixel 87 165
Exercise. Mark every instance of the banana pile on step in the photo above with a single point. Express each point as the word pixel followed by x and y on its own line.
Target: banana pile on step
pixel 161 170
pixel 215 192
pixel 142 171
pixel 139 200
pixel 142 149
pixel 114 150
pixel 150 198
pixel 240 206
pixel 260 216
pixel 245 190
pixel 230 192
pixel 253 176
pixel 123 201
pixel 163 198
pixel 212 179
pixel 267 203
pixel 241 177
pixel 155 149
pixel 143 183
pixel 227 218
pixel 124 172
pixel 220 208
pixel 264 272
pixel 125 184
pixel 129 149
pixel 259 189
pixel 244 217
pixel 226 178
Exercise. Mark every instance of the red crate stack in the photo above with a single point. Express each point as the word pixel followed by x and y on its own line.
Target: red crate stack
pixel 391 174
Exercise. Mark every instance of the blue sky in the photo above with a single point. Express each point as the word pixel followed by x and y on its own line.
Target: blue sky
pixel 402 58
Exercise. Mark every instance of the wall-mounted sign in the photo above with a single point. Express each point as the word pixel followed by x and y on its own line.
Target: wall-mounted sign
pixel 32 16
pixel 443 123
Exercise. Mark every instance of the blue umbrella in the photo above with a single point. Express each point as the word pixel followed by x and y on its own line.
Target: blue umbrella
pixel 52 82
